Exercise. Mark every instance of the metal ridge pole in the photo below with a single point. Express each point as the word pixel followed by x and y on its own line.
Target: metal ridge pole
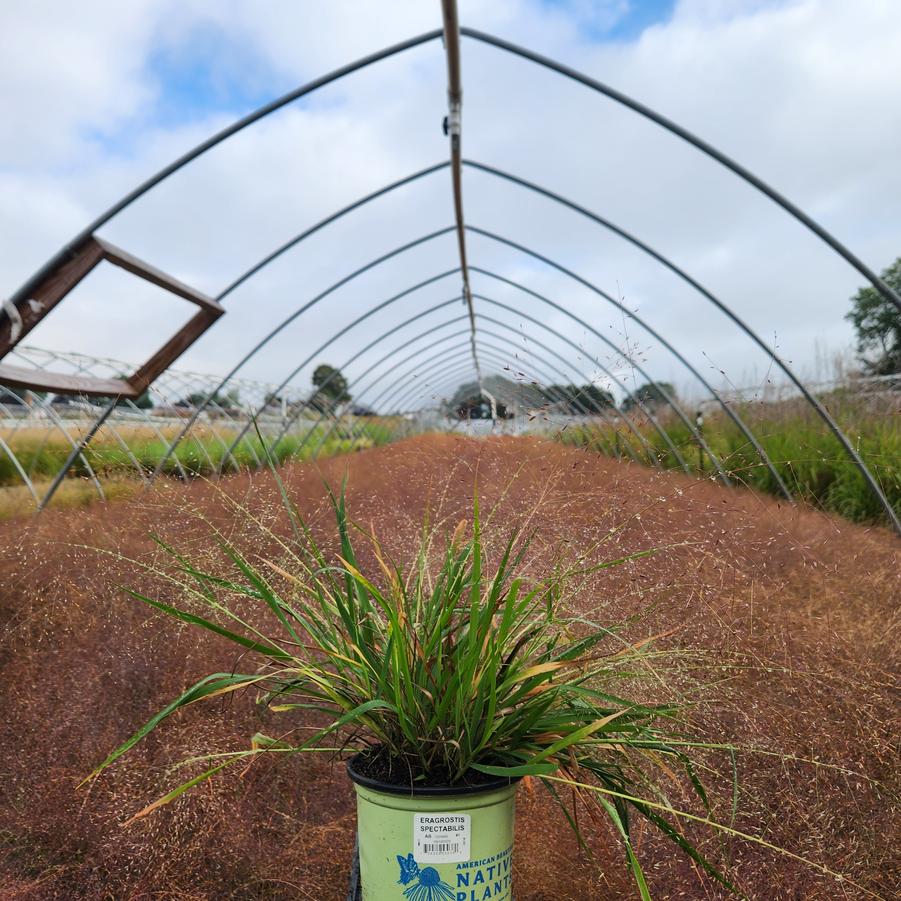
pixel 533 361
pixel 282 325
pixel 372 344
pixel 672 267
pixel 343 331
pixel 453 127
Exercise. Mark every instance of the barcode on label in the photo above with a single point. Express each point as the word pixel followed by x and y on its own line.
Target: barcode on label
pixel 442 848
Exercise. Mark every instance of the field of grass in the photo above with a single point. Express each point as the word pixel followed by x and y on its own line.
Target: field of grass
pixel 809 459
pixel 42 452
pixel 776 631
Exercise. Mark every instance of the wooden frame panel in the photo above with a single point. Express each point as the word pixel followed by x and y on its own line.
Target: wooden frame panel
pixel 54 287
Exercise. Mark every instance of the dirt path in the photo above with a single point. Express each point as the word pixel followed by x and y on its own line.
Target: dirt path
pixel 796 614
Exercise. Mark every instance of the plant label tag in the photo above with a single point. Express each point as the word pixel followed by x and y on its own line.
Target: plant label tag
pixel 441 837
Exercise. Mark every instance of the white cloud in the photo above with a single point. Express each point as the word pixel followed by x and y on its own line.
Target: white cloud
pixel 66 68
pixel 807 94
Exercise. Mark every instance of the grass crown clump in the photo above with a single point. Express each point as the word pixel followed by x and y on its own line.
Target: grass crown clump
pixel 452 667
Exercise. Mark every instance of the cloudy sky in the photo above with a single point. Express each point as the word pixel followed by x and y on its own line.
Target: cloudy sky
pixel 806 93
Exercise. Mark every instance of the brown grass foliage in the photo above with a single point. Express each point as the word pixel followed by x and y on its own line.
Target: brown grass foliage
pixel 786 639
pixel 74 492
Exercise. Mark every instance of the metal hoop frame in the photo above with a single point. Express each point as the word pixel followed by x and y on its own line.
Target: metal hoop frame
pixel 451 33
pixel 562 337
pixel 437 361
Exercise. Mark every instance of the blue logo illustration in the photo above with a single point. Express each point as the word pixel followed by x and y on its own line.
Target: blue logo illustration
pixel 428 885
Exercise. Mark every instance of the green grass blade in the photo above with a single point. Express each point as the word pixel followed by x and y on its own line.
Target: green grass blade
pixel 214 684
pixel 194 620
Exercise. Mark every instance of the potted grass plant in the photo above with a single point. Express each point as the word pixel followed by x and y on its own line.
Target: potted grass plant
pixel 450 679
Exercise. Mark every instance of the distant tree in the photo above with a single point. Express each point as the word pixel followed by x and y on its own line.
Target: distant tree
pixel 230 400
pixel 595 399
pixel 21 397
pixel 479 407
pixel 651 394
pixel 227 401
pixel 579 399
pixel 143 402
pixel 194 399
pixel 877 322
pixel 331 388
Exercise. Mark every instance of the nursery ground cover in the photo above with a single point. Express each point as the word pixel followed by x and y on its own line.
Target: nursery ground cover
pixel 42 452
pixel 807 457
pixel 784 619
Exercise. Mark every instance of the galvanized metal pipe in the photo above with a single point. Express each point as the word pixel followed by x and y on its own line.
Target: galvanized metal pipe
pixel 708 149
pixel 70 249
pixel 302 407
pixel 652 456
pixel 536 362
pixel 286 322
pixel 399 384
pixel 343 331
pixel 454 125
pixel 666 262
pixel 328 220
pixel 671 402
pixel 817 406
pixel 401 362
pixel 545 364
pixel 651 453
